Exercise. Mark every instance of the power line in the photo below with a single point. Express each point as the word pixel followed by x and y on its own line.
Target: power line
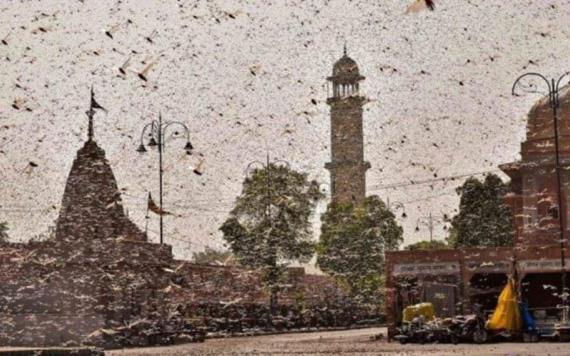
pixel 204 202
pixel 427 181
pixel 199 207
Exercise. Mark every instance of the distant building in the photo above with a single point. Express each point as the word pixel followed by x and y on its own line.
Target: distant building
pixel 453 280
pixel 347 167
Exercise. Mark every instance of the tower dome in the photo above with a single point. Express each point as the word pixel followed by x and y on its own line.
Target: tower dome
pixel 345 71
pixel 345 66
pixel 540 127
pixel 345 79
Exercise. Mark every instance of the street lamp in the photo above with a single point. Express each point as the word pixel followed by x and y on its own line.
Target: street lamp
pixel 430 221
pixel 394 205
pixel 156 134
pixel 325 190
pixel 553 86
pixel 266 166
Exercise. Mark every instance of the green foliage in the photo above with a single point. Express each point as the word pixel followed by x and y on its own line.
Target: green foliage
pixel 271 221
pixel 427 245
pixel 3 232
pixel 212 257
pixel 352 245
pixel 300 299
pixel 483 219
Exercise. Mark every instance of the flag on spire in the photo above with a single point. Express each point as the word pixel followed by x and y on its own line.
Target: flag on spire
pixel 91 112
pixel 95 104
pixel 154 208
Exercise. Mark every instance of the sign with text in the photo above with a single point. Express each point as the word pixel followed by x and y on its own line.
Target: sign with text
pixel 540 265
pixel 426 268
pixel 489 266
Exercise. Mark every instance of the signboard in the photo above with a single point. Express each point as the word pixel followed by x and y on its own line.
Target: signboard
pixel 426 268
pixel 553 265
pixel 489 266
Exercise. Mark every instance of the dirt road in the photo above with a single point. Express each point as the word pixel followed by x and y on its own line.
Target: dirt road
pixel 348 342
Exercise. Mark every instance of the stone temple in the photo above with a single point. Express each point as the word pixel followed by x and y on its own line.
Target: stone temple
pixel 92 206
pixel 99 273
pixel 347 167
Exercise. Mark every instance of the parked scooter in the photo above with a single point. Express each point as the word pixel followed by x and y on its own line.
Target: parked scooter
pixel 470 328
pixel 418 331
pixel 413 332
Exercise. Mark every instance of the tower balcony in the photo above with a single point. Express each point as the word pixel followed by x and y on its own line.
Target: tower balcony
pixel 342 164
pixel 347 100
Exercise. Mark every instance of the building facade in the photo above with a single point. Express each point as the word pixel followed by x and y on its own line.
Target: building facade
pixel 453 280
pixel 534 199
pixel 347 167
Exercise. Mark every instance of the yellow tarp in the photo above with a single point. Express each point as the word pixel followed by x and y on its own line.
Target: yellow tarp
pixel 507 315
pixel 423 309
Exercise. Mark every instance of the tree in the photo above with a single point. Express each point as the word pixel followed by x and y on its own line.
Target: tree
pixel 352 245
pixel 3 232
pixel 428 245
pixel 483 218
pixel 270 224
pixel 211 256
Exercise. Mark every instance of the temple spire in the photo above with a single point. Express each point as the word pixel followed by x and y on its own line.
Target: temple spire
pixel 344 49
pixel 91 112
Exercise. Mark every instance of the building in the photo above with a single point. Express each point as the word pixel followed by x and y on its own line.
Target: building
pixel 453 280
pixel 91 207
pixel 533 178
pixel 99 273
pixel 347 167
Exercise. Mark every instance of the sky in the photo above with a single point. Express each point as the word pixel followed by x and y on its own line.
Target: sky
pixel 244 76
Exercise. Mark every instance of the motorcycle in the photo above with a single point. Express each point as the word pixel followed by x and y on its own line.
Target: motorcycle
pixel 413 332
pixel 470 328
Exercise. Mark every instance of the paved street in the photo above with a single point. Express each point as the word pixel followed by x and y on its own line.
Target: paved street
pixel 350 342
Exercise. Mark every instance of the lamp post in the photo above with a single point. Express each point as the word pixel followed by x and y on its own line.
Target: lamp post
pixel 430 222
pixel 553 87
pixel 155 132
pixel 394 205
pixel 273 254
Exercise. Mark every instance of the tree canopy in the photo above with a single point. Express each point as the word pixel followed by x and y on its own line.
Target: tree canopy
pixel 428 245
pixel 352 245
pixel 3 232
pixel 483 218
pixel 270 224
pixel 212 256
